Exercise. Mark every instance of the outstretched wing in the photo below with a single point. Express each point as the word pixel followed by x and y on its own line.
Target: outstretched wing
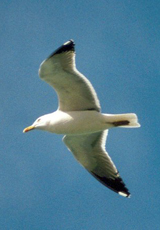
pixel 75 92
pixel 89 150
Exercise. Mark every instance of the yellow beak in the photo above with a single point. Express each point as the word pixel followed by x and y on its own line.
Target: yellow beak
pixel 28 129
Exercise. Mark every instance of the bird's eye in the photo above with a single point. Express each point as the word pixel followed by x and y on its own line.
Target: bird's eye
pixel 38 119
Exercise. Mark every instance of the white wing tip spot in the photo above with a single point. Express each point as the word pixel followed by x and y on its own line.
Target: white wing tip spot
pixel 123 194
pixel 66 43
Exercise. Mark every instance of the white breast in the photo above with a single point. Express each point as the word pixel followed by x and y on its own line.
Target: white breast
pixel 78 122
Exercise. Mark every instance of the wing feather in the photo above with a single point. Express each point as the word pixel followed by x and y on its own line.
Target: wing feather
pixel 89 150
pixel 75 92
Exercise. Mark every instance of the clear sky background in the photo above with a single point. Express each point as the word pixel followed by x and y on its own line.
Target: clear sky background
pixel 118 50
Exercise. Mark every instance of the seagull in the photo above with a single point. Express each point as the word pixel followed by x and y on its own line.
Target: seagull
pixel 79 117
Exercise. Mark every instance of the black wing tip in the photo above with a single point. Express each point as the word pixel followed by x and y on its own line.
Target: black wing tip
pixel 67 46
pixel 117 185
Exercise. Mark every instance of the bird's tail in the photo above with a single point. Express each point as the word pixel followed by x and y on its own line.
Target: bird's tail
pixel 128 120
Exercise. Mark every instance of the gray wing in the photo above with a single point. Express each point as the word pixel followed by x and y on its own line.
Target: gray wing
pixel 89 150
pixel 75 92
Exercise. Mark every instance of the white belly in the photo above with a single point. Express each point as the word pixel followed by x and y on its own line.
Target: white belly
pixel 78 122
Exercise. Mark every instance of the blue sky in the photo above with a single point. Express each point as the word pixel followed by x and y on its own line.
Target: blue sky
pixel 118 50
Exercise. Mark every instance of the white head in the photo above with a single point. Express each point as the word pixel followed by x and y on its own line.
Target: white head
pixel 40 123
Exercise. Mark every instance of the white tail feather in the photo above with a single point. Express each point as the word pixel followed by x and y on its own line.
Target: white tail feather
pixel 128 120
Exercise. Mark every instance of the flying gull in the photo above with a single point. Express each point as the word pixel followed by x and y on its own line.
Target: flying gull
pixel 79 117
